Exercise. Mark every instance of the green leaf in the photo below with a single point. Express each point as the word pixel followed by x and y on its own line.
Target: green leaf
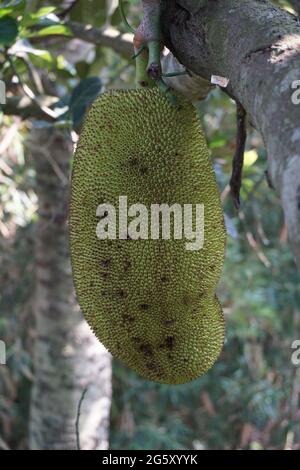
pixel 217 142
pixel 39 57
pixel 42 58
pixel 116 19
pixel 58 29
pixel 250 157
pixel 82 97
pixel 8 30
pixel 13 8
pixel 44 11
pixel 31 19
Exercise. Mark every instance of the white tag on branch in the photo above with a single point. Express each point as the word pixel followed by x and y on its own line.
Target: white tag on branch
pixel 221 81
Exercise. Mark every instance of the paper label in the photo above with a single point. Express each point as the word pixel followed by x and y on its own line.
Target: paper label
pixel 220 81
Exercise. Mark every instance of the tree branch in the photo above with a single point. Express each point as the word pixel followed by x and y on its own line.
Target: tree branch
pixel 193 86
pixel 218 40
pixel 24 107
pixel 78 418
pixel 108 37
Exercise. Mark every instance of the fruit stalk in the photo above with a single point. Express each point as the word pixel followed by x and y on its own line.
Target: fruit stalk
pixel 149 34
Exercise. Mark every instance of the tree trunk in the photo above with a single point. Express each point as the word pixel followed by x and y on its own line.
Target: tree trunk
pixel 68 358
pixel 256 46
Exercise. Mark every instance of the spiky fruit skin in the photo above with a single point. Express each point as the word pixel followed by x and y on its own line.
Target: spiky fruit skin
pixel 151 303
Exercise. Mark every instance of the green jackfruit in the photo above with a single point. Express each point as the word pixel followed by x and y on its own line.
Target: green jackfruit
pixel 151 302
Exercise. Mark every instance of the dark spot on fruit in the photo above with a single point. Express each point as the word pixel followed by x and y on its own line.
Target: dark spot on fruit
pixel 92 284
pixel 133 161
pixel 169 322
pixel 170 342
pixel 185 359
pixel 164 279
pixel 122 293
pixel 104 275
pixel 146 349
pixel 150 365
pixel 144 306
pixel 169 356
pixel 136 339
pixel 144 170
pixel 105 263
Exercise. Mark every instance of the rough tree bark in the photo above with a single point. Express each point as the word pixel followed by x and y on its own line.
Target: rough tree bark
pixel 68 357
pixel 256 46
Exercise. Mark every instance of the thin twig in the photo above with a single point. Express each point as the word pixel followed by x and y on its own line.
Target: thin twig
pixel 253 190
pixel 32 73
pixel 67 10
pixel 78 417
pixel 55 166
pixel 28 92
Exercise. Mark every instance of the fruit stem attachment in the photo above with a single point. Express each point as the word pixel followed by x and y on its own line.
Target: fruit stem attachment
pixel 149 35
pixel 142 79
pixel 148 45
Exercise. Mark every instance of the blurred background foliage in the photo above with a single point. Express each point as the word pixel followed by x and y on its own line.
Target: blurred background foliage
pixel 250 398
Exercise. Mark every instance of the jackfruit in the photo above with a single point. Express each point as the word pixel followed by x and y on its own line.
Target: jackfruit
pixel 151 302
